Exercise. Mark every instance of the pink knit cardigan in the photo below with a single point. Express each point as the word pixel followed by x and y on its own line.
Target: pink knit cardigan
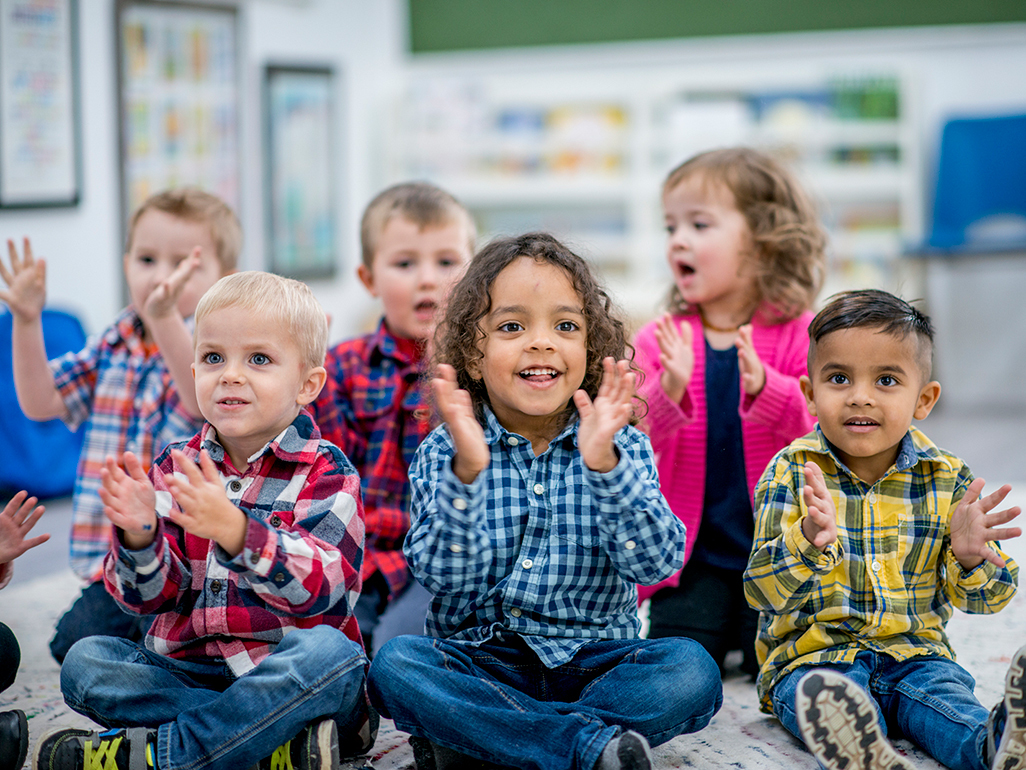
pixel 769 421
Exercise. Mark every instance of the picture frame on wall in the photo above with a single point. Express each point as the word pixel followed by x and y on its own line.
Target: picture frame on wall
pixel 299 141
pixel 40 155
pixel 178 99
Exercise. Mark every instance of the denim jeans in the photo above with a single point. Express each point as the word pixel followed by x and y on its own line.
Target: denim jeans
pixel 96 613
pixel 929 700
pixel 499 703
pixel 205 717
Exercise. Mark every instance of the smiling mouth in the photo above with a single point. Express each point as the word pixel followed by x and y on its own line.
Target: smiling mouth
pixel 232 402
pixel 541 374
pixel 861 422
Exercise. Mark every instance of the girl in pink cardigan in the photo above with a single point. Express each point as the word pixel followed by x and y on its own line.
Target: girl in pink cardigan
pixel 721 375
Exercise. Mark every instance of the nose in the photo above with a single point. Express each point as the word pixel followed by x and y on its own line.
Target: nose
pixel 232 373
pixel 541 340
pixel 862 394
pixel 427 275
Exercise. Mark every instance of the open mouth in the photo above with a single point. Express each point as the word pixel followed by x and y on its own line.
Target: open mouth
pixel 861 422
pixel 232 402
pixel 683 270
pixel 539 374
pixel 426 306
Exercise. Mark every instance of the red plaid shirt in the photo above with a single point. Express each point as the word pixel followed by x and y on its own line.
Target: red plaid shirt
pixel 372 408
pixel 299 568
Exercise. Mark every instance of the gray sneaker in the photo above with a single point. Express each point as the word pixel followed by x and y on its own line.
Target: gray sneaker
pixel 839 724
pixel 1011 751
pixel 314 748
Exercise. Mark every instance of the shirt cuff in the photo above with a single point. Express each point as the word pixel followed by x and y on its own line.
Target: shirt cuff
pixel 973 580
pixel 799 546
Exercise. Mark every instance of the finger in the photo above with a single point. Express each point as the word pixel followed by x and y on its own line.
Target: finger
pixel 32 542
pixel 14 503
pixel 992 500
pixel 972 492
pixel 207 466
pixel 188 467
pixel 27 258
pixel 582 401
pixel 134 467
pixel 1002 517
pixel 181 274
pixel 25 510
pixel 609 378
pixel 1007 533
pixel 685 333
pixel 12 255
pixel 992 556
pixel 114 471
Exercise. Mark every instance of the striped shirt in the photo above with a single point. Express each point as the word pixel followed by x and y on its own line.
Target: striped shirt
pixel 539 546
pixel 891 581
pixel 299 567
pixel 121 389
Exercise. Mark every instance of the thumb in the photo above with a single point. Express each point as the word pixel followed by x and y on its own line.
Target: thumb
pixel 583 403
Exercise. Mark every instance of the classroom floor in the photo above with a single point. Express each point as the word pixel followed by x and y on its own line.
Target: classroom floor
pixel 739 736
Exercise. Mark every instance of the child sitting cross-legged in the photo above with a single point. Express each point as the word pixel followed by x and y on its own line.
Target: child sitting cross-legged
pixel 867 537
pixel 245 543
pixel 536 510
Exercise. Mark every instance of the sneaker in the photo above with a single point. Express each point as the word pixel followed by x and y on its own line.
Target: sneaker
pixel 1011 751
pixel 13 739
pixel 314 748
pixel 432 756
pixel 119 749
pixel 839 724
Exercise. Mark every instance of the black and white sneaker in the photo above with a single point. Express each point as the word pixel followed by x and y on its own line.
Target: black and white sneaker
pixel 839 724
pixel 1011 751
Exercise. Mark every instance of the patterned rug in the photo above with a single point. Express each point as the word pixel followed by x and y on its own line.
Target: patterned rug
pixel 739 736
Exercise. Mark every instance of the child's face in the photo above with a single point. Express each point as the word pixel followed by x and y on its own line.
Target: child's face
pixel 413 270
pixel 535 346
pixel 251 379
pixel 160 242
pixel 866 386
pixel 709 245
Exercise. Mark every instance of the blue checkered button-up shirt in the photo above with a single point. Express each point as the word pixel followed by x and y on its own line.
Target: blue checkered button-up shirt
pixel 539 546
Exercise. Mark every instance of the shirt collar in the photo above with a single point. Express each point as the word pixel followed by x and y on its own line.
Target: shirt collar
pixel 384 345
pixel 298 443
pixel 915 448
pixel 494 432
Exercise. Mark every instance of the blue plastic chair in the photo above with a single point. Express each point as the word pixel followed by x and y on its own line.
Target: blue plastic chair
pixel 41 457
pixel 981 175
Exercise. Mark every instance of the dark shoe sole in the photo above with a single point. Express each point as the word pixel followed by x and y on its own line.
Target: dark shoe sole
pixel 1011 753
pixel 839 724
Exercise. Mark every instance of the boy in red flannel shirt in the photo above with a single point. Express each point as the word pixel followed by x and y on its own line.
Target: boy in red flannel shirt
pixel 246 544
pixel 416 241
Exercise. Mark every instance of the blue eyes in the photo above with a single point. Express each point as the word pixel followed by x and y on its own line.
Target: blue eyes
pixel 260 359
pixel 212 358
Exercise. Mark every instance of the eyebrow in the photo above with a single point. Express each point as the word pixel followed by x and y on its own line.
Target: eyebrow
pixel 521 310
pixel 833 365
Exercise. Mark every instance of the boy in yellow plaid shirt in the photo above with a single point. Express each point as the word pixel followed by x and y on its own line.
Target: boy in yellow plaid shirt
pixel 867 537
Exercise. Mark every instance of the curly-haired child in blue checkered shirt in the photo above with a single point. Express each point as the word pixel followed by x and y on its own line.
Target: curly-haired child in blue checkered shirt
pixel 536 510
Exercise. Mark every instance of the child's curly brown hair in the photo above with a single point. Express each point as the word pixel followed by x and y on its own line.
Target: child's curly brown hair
pixel 459 333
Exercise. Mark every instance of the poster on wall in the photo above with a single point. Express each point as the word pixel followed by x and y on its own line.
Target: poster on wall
pixel 179 99
pixel 299 174
pixel 39 153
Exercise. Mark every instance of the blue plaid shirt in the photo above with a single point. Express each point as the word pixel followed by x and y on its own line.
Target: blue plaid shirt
pixel 539 546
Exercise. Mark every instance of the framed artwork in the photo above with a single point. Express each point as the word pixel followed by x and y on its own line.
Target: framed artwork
pixel 299 170
pixel 40 158
pixel 178 70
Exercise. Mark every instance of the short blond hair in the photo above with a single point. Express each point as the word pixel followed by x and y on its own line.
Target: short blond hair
pixel 420 202
pixel 289 302
pixel 195 205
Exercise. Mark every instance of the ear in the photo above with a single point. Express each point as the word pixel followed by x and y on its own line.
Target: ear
pixel 474 369
pixel 928 396
pixel 806 385
pixel 366 276
pixel 316 376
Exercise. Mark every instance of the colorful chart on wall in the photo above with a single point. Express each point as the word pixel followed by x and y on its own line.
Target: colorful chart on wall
pixel 179 99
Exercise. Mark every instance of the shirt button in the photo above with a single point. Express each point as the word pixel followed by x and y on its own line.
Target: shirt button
pixel 275 521
pixel 876 565
pixel 459 504
pixel 512 441
pixel 872 497
pixel 215 587
pixel 539 489
pixel 630 545
pixel 527 563
pixel 235 485
pixel 254 557
pixel 456 548
pixel 515 612
pixel 279 578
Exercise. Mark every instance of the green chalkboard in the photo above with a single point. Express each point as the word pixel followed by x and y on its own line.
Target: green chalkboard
pixel 456 25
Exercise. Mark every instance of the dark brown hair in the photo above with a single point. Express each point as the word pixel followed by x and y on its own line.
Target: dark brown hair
pixel 458 336
pixel 789 242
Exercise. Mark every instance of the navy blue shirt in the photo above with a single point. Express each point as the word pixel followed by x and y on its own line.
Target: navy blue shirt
pixel 725 536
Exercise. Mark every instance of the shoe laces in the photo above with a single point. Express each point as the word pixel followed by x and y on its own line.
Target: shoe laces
pixel 281 759
pixel 104 757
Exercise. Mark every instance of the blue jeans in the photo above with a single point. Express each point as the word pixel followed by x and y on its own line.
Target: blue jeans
pixel 205 717
pixel 928 700
pixel 498 702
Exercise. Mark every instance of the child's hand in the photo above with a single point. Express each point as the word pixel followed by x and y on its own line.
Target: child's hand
pixel 26 283
pixel 472 454
pixel 163 299
pixel 16 519
pixel 972 526
pixel 206 510
pixel 820 524
pixel 753 373
pixel 129 500
pixel 676 356
pixel 603 417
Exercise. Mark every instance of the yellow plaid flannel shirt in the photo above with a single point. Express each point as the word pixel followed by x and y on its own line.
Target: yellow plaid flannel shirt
pixel 890 581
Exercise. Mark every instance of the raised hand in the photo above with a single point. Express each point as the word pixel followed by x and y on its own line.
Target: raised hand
pixel 603 417
pixel 16 519
pixel 164 298
pixel 472 454
pixel 129 500
pixel 26 283
pixel 675 355
pixel 820 523
pixel 753 373
pixel 973 526
pixel 204 508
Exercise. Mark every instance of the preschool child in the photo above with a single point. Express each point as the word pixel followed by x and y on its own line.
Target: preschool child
pixel 130 385
pixel 245 543
pixel 721 376
pixel 867 537
pixel 536 510
pixel 416 240
pixel 16 520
